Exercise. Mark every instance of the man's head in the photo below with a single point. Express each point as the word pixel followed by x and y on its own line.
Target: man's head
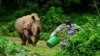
pixel 68 22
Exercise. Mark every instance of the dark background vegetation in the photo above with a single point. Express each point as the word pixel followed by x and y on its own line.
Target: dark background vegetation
pixel 12 7
pixel 52 13
pixel 10 10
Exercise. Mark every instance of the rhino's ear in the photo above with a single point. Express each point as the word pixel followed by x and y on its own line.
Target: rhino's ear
pixel 33 17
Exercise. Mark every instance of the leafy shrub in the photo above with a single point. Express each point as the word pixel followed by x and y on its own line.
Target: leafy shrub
pixel 52 18
pixel 8 48
pixel 8 29
pixel 84 43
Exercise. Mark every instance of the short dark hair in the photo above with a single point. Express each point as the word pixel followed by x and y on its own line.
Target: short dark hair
pixel 68 22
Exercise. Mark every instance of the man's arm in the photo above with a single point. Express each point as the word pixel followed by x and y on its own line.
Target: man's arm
pixel 57 30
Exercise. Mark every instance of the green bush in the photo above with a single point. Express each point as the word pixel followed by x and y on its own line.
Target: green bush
pixel 52 19
pixel 9 48
pixel 8 29
pixel 84 43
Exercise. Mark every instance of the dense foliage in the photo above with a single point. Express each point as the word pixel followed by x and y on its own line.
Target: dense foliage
pixel 84 43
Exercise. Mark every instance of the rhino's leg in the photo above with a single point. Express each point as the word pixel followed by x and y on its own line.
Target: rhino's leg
pixel 37 36
pixel 28 36
pixel 23 39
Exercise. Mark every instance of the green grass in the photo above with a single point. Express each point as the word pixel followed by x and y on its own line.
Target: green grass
pixel 40 49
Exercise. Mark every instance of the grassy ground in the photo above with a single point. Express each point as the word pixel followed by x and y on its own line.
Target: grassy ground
pixel 41 47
